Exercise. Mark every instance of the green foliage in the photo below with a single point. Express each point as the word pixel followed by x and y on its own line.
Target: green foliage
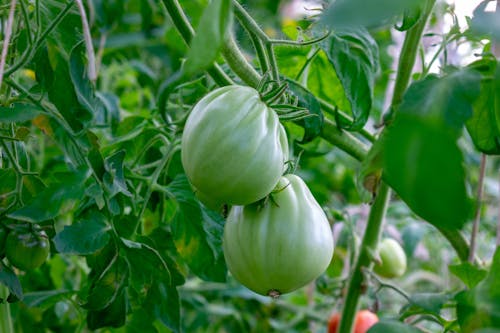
pixel 97 165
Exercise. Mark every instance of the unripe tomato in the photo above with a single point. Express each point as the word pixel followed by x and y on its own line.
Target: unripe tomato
pixel 392 259
pixel 281 246
pixel 234 148
pixel 27 250
pixel 365 319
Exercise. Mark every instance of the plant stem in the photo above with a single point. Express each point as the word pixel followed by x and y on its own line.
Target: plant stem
pixel 375 220
pixel 408 56
pixel 343 140
pixel 5 316
pixel 238 63
pixel 92 74
pixel 186 31
pixel 457 241
pixel 475 227
pixel 6 41
pixel 369 245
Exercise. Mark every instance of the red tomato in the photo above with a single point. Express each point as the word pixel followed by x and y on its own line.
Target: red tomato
pixel 364 320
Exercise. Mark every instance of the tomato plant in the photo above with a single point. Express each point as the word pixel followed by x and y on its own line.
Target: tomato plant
pixel 364 320
pixel 263 243
pixel 27 250
pixel 234 148
pixel 392 259
pixel 164 147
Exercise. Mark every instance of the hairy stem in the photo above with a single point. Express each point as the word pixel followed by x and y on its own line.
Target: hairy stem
pixel 368 247
pixel 475 227
pixel 238 63
pixel 344 140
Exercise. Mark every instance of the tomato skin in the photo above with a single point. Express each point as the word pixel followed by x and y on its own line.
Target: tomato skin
pixel 27 250
pixel 393 259
pixel 233 147
pixel 365 319
pixel 281 246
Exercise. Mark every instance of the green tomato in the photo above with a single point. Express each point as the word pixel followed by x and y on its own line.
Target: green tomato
pixel 392 259
pixel 234 148
pixel 27 250
pixel 281 246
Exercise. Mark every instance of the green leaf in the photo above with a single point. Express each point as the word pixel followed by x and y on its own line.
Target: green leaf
pixel 107 286
pixel 61 196
pixel 46 299
pixel 469 274
pixel 114 179
pixel 424 165
pixel 114 315
pixel 18 112
pixel 484 126
pixel 412 234
pixel 353 54
pixel 480 307
pixel 163 301
pixel 84 89
pixel 197 233
pixel 61 92
pixel 430 302
pixel 485 23
pixel 374 13
pixel 391 326
pixel 146 265
pixel 10 279
pixel 324 83
pixel 446 101
pixel 209 36
pixel 312 125
pixel 422 161
pixel 84 237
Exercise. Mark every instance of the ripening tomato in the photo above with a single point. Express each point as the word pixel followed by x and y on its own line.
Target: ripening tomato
pixel 281 245
pixel 364 320
pixel 27 250
pixel 233 147
pixel 392 259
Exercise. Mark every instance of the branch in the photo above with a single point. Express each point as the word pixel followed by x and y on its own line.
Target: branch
pixel 475 227
pixel 6 42
pixel 186 31
pixel 249 75
pixel 375 220
pixel 88 42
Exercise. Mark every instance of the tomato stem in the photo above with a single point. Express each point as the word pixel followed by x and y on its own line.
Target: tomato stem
pixel 370 240
pixel 375 224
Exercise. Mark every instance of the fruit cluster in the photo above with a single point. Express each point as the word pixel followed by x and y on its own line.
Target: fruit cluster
pixel 234 151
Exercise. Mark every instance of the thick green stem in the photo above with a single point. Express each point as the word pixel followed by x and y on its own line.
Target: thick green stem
pixel 409 55
pixel 344 140
pixel 238 63
pixel 375 221
pixel 186 31
pixel 368 247
pixel 5 316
